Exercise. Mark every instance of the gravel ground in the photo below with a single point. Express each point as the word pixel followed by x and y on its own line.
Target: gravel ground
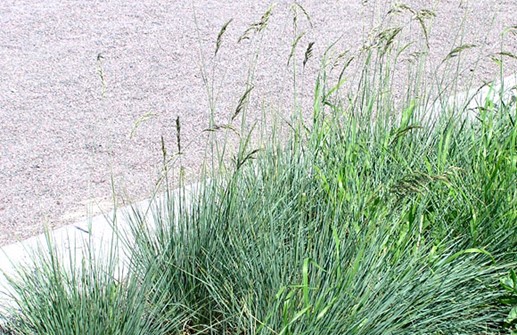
pixel 65 131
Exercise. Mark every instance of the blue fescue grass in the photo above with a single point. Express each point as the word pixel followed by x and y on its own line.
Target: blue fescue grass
pixel 373 218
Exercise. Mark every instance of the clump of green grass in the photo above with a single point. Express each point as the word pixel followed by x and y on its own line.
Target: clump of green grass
pixel 56 295
pixel 367 221
pixel 361 228
pixel 373 218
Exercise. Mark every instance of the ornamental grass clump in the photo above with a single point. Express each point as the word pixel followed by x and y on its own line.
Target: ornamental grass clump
pixel 369 214
pixel 373 218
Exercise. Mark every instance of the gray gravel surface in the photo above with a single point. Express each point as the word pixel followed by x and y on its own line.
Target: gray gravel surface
pixel 66 115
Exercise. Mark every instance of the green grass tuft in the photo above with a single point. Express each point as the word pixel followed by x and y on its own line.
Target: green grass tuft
pixel 373 218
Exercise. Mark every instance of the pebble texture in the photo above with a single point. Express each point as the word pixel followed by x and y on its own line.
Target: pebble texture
pixel 67 114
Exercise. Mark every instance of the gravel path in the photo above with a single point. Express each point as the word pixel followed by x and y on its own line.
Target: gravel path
pixel 65 131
